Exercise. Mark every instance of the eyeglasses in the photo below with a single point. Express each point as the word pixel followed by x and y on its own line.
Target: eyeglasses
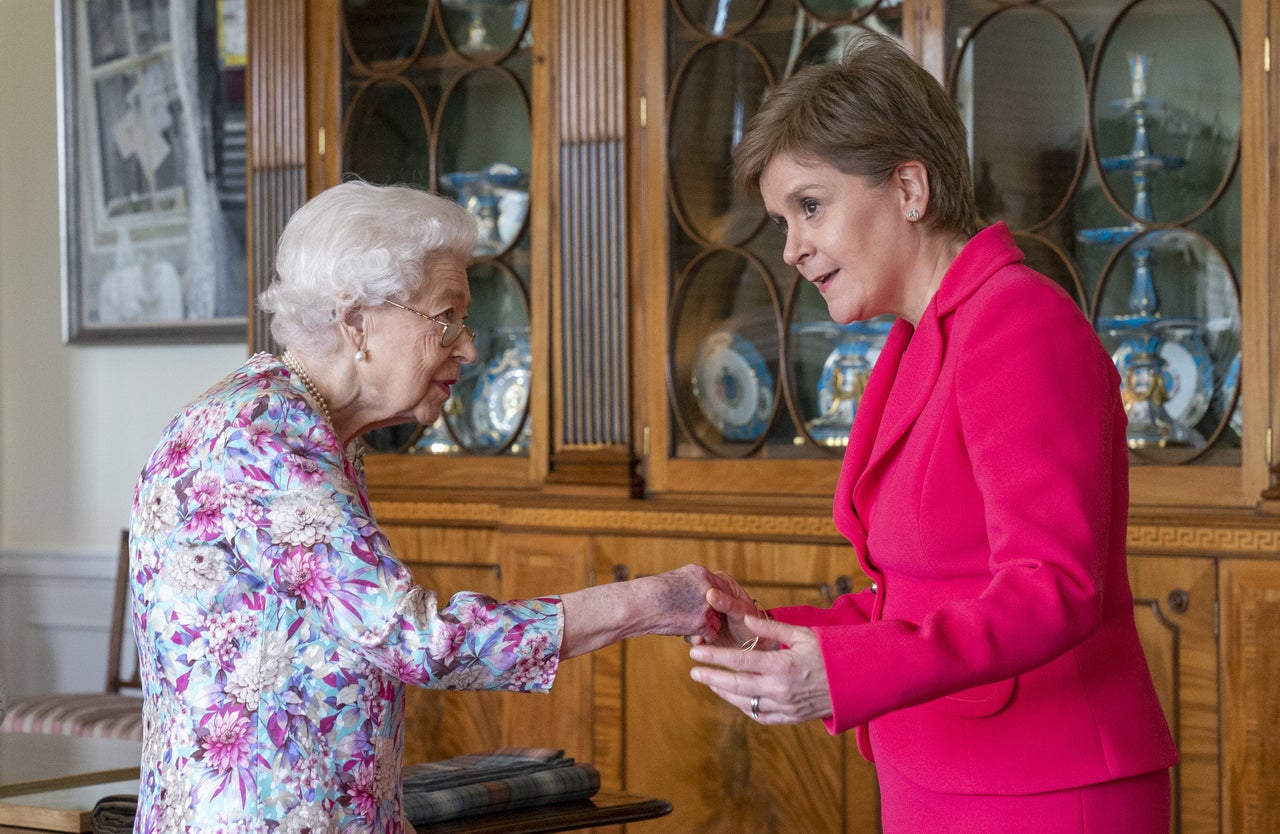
pixel 452 329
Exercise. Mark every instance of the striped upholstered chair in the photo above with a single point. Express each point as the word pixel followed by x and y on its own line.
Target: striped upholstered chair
pixel 113 713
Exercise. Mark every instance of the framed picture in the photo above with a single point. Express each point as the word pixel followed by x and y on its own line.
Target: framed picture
pixel 152 158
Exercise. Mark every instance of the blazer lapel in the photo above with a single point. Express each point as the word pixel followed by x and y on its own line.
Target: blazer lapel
pixel 866 426
pixel 912 385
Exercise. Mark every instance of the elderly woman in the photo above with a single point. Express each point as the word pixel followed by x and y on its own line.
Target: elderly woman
pixel 275 626
pixel 992 670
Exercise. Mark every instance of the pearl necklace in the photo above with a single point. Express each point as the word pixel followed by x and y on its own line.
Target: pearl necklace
pixel 291 362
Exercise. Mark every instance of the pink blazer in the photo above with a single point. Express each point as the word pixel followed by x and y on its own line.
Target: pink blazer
pixel 985 492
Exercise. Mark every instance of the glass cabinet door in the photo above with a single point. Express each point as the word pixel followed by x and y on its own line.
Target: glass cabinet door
pixel 755 368
pixel 759 385
pixel 1106 135
pixel 436 93
pixel 1123 184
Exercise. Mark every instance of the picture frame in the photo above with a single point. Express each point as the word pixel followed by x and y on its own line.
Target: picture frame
pixel 152 167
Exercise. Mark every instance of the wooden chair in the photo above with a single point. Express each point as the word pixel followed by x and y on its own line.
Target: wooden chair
pixel 113 713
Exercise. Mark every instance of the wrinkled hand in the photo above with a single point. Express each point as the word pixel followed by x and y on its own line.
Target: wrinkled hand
pixel 790 683
pixel 672 603
pixel 680 601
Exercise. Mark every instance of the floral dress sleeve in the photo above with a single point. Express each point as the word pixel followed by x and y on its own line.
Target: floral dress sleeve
pixel 296 515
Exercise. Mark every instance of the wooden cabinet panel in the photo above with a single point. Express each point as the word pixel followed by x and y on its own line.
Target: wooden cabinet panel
pixel 722 771
pixel 632 710
pixel 443 724
pixel 438 724
pixel 538 564
pixel 1251 696
pixel 1174 605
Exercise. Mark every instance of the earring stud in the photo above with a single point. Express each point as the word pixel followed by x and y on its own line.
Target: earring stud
pixel 360 355
pixel 913 215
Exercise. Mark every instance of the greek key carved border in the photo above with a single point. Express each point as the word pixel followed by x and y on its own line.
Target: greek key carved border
pixel 613 520
pixel 1149 537
pixel 1204 540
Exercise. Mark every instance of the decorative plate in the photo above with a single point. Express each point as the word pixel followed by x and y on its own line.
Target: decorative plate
pixel 1188 373
pixel 733 386
pixel 502 395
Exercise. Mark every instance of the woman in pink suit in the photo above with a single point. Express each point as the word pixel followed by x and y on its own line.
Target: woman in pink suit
pixel 992 671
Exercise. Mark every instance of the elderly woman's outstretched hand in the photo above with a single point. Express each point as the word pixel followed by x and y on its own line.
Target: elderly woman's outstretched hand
pixel 681 598
pixel 673 603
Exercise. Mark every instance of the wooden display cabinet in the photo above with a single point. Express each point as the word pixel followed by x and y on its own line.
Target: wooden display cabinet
pixel 635 252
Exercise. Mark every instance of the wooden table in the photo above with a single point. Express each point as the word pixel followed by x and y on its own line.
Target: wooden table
pixel 50 783
pixel 69 809
pixel 31 762
pixel 61 810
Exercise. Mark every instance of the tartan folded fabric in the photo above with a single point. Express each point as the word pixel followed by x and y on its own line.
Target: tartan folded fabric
pixel 114 814
pixel 512 777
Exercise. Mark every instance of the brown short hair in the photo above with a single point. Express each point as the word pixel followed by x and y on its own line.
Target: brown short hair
pixel 864 115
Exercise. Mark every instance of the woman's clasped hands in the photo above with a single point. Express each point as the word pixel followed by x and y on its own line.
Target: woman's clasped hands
pixel 772 671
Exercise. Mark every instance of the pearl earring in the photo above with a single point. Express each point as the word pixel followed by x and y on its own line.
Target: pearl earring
pixel 913 215
pixel 360 355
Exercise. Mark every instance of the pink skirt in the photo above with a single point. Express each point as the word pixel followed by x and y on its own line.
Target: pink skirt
pixel 1136 805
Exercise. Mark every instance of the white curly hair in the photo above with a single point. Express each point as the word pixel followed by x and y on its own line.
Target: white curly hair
pixel 357 244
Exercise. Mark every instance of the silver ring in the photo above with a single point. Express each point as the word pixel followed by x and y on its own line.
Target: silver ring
pixel 755 707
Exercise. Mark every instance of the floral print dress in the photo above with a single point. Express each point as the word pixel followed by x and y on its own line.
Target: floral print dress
pixel 276 629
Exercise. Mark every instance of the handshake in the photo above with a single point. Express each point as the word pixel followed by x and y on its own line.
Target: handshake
pixel 704 607
pixel 782 681
pixel 690 602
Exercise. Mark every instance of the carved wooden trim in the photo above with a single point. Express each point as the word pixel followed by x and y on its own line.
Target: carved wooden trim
pixel 450 514
pixel 612 519
pixel 1174 539
pixel 1247 536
